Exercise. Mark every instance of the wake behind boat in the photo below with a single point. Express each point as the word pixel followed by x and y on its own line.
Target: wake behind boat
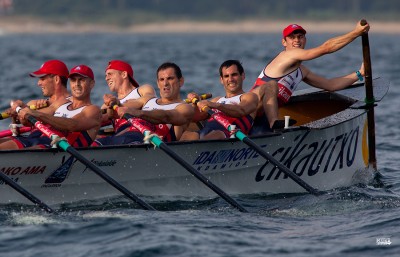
pixel 328 148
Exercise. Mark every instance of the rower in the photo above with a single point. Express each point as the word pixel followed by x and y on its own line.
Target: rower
pixel 120 80
pixel 52 79
pixel 237 106
pixel 167 116
pixel 77 120
pixel 280 77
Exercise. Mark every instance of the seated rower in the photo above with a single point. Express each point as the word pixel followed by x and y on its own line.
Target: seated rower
pixel 167 116
pixel 120 80
pixel 237 106
pixel 52 79
pixel 77 120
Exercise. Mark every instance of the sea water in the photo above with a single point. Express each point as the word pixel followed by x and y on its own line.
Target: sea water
pixel 362 220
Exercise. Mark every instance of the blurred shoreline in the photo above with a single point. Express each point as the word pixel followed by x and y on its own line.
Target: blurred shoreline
pixel 11 25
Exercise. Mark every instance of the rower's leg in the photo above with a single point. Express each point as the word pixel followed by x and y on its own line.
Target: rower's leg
pixel 189 135
pixel 269 93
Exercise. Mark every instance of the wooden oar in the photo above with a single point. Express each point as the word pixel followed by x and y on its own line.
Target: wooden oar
pixel 64 145
pixel 199 124
pixel 160 144
pixel 203 96
pixel 25 193
pixel 7 133
pixel 242 137
pixel 5 115
pixel 369 99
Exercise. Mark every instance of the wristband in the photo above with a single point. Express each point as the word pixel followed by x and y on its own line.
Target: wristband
pixel 360 77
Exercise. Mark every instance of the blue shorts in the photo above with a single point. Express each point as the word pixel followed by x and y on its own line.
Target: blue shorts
pixel 36 138
pixel 130 137
pixel 211 126
pixel 260 126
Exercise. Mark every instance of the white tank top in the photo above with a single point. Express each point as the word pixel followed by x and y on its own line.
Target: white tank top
pixel 134 94
pixel 230 100
pixel 153 105
pixel 63 111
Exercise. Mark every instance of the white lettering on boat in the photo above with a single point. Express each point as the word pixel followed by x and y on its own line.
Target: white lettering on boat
pixel 302 157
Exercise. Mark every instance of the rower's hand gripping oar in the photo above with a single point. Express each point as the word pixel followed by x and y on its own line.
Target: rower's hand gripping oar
pixel 160 144
pixel 242 137
pixel 195 100
pixel 199 124
pixel 5 115
pixel 64 145
pixel 369 97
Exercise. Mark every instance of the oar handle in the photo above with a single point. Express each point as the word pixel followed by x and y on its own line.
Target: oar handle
pixel 195 100
pixel 5 115
pixel 367 67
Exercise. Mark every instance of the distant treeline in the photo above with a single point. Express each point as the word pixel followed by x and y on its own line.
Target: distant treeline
pixel 127 12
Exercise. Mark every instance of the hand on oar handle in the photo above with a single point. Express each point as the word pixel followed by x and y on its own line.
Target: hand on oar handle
pixel 38 104
pixel 194 98
pixel 363 27
pixel 11 111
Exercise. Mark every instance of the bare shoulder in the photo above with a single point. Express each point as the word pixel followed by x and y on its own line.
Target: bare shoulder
pixel 184 108
pixel 215 99
pixel 147 90
pixel 139 101
pixel 57 103
pixel 92 109
pixel 251 96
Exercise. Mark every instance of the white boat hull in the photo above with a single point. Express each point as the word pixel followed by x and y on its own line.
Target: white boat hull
pixel 325 158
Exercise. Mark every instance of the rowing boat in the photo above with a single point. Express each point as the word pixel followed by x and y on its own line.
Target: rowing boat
pixel 327 148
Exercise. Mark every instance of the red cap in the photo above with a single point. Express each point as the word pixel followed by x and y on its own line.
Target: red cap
pixel 291 28
pixel 123 66
pixel 54 67
pixel 82 70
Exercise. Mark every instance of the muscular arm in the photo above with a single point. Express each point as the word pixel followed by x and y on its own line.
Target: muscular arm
pixel 288 60
pixel 247 105
pixel 181 115
pixel 89 118
pixel 330 46
pixel 332 84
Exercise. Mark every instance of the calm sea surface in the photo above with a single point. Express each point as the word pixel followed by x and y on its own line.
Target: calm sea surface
pixel 345 222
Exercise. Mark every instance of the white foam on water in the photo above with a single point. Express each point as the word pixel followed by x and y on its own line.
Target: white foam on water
pixel 106 214
pixel 29 218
